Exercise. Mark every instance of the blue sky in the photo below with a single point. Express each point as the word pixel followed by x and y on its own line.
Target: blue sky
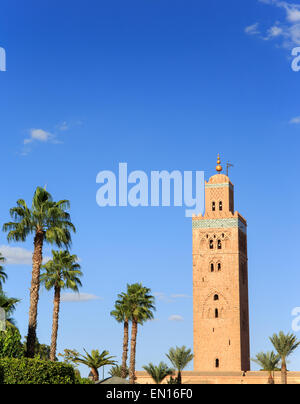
pixel 159 85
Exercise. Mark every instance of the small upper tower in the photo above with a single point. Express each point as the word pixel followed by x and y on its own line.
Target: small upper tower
pixel 220 281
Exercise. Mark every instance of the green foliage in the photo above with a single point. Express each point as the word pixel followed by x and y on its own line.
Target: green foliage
pixel 42 351
pixel 3 275
pixel 117 371
pixel 9 306
pixel 84 381
pixel 34 371
pixel 172 380
pixel 95 360
pixel 268 361
pixel 137 303
pixel 69 356
pixel 10 343
pixel 158 373
pixel 180 358
pixel 285 345
pixel 63 271
pixel 45 216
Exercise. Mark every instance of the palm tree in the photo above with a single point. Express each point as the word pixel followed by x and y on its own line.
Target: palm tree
pixel 158 373
pixel 121 313
pixel 268 362
pixel 94 361
pixel 3 275
pixel 62 272
pixel 47 221
pixel 118 371
pixel 285 345
pixel 8 304
pixel 140 305
pixel 180 358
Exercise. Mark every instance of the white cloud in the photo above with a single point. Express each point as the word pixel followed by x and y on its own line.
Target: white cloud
pixel 252 29
pixel 275 31
pixel 176 317
pixel 287 30
pixel 78 297
pixel 295 120
pixel 18 256
pixel 39 135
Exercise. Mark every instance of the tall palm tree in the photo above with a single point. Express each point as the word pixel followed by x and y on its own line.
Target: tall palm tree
pixel 268 362
pixel 62 272
pixel 94 361
pixel 285 345
pixel 49 222
pixel 180 358
pixel 140 305
pixel 158 373
pixel 8 304
pixel 3 275
pixel 122 313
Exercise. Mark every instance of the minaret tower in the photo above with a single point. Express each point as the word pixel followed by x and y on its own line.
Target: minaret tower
pixel 220 282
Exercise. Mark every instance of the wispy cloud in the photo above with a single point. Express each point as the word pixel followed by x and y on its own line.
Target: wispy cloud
pixel 287 31
pixel 295 121
pixel 169 299
pixel 252 29
pixel 78 297
pixel 64 126
pixel 18 256
pixel 176 318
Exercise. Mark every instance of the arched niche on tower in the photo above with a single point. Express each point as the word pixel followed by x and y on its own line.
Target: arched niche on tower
pixel 215 302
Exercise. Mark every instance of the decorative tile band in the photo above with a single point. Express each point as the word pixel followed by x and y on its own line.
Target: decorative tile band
pixel 219 224
pixel 225 184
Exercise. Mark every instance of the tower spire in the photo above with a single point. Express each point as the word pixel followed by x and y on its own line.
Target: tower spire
pixel 219 168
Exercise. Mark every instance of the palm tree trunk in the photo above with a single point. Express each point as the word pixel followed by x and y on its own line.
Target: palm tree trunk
pixel 37 259
pixel 179 378
pixel 283 372
pixel 56 304
pixel 133 351
pixel 95 374
pixel 270 380
pixel 125 350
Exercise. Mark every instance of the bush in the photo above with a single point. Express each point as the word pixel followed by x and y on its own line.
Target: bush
pixel 10 343
pixel 34 371
pixel 84 380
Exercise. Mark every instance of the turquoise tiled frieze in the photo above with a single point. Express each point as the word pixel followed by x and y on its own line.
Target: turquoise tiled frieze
pixel 219 224
pixel 225 184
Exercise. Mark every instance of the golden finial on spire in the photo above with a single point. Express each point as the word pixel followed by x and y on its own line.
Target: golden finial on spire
pixel 219 168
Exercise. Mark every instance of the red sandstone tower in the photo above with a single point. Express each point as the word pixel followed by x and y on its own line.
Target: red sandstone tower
pixel 220 282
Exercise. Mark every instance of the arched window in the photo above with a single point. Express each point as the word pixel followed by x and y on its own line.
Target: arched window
pixel 216 313
pixel 216 297
pixel 211 244
pixel 217 363
pixel 212 267
pixel 219 266
pixel 213 207
pixel 220 205
pixel 219 245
